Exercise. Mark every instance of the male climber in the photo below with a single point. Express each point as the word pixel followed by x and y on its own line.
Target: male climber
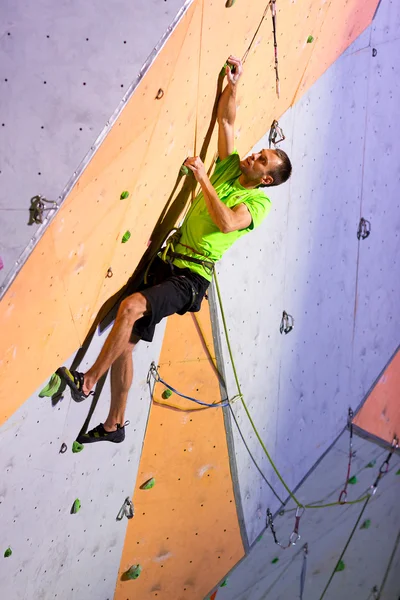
pixel 229 205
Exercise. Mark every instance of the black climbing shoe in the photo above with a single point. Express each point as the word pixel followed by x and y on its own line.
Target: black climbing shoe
pixel 99 434
pixel 75 382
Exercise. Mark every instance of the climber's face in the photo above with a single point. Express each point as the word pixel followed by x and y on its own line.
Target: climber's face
pixel 257 167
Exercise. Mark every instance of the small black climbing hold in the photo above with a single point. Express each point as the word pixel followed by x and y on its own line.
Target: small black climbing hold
pixel 160 94
pixel 374 52
pixel 63 448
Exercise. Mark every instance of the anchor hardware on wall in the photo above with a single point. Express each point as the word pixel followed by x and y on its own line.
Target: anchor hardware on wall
pixel 37 209
pixel 287 323
pixel 364 229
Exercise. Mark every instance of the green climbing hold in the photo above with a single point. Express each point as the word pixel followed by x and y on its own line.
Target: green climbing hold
pixel 77 447
pixel 147 485
pixel 398 472
pixel 340 566
pixel 353 480
pixel 224 583
pixel 124 195
pixel 371 464
pixel 76 506
pixel 7 553
pixel 366 524
pixel 166 394
pixel 52 387
pixel 310 39
pixel 126 236
pixel 274 560
pixel 259 537
pixel 184 170
pixel 133 572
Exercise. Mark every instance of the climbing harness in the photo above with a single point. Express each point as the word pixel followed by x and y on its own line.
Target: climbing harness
pixel 287 323
pixel 364 229
pixel 127 510
pixel 274 132
pixel 273 11
pixel 294 536
pixel 303 571
pixel 153 373
pixel 343 493
pixel 168 253
pixel 382 471
pixel 37 209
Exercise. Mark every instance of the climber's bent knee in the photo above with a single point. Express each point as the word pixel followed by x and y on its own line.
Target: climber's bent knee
pixel 134 307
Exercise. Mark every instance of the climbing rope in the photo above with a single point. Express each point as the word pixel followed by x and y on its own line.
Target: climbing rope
pixel 303 573
pixel 242 399
pixel 257 30
pixel 153 373
pixel 253 459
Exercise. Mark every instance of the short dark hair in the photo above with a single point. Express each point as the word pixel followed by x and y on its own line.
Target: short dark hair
pixel 282 172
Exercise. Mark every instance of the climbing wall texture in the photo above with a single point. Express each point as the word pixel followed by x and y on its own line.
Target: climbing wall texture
pixel 64 70
pixel 306 259
pixel 65 264
pixel 56 554
pixel 380 415
pixel 368 560
pixel 185 534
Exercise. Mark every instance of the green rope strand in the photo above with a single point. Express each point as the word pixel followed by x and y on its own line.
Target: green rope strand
pixel 346 546
pixel 242 400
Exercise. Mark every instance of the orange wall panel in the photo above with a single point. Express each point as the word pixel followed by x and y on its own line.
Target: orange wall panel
pixel 380 415
pixel 185 533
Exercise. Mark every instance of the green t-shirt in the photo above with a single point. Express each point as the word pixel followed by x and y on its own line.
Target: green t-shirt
pixel 200 237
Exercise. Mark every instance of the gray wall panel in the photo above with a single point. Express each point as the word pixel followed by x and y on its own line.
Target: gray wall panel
pixel 326 531
pixel 56 554
pixel 377 326
pixel 64 69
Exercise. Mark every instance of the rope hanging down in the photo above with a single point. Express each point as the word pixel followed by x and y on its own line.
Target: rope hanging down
pixel 242 399
pixel 382 471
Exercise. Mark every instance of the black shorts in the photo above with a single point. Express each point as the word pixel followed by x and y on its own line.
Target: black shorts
pixel 169 290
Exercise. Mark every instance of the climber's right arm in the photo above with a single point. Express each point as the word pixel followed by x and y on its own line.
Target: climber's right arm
pixel 227 109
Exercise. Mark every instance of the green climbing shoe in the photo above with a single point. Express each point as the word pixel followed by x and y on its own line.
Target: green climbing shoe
pixel 74 380
pixel 52 387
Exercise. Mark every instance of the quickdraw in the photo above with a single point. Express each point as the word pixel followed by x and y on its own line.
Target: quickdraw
pixel 287 323
pixel 127 510
pixel 343 493
pixel 384 468
pixel 273 11
pixel 364 229
pixel 274 132
pixel 37 209
pixel 294 536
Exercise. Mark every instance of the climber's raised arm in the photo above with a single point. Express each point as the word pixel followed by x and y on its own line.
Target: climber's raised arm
pixel 227 109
